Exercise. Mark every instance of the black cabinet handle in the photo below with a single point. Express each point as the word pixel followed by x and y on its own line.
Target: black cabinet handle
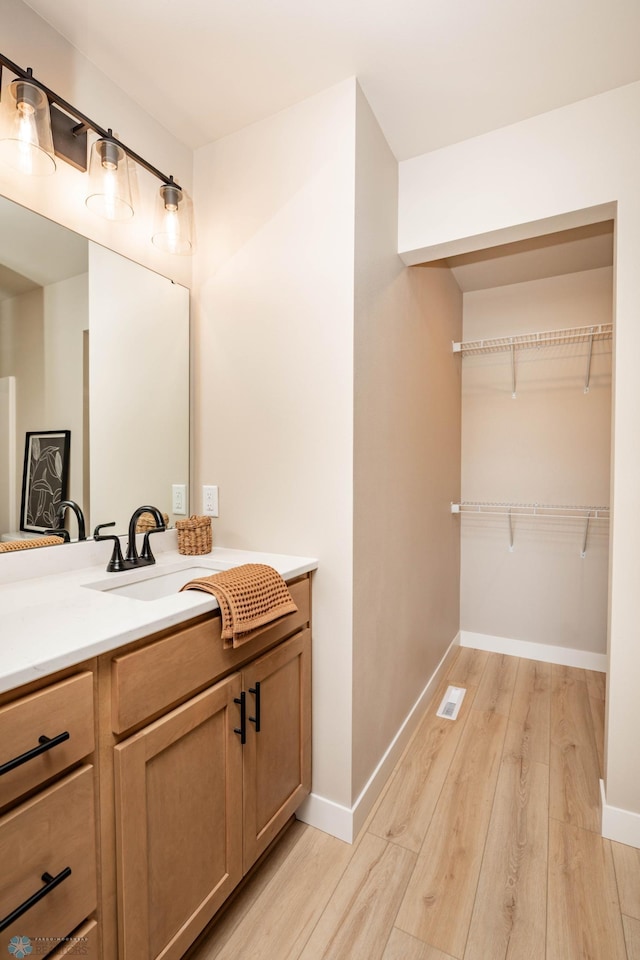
pixel 49 884
pixel 256 692
pixel 46 743
pixel 242 701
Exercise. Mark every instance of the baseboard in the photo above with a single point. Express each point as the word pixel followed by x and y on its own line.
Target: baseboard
pixel 618 824
pixel 328 816
pixel 346 822
pixel 567 656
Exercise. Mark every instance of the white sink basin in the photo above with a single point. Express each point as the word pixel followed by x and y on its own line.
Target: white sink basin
pixel 151 584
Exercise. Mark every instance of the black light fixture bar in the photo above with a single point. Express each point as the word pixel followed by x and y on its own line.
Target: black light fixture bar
pixel 70 141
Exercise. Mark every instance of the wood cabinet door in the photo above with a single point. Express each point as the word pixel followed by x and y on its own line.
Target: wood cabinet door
pixel 178 786
pixel 277 756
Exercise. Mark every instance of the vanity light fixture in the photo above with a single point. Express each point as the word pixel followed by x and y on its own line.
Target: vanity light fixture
pixel 35 124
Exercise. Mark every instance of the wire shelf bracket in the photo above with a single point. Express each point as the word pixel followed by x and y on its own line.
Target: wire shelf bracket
pixel 529 341
pixel 539 510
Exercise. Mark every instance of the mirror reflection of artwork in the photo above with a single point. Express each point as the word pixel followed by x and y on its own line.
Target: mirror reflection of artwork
pixel 45 479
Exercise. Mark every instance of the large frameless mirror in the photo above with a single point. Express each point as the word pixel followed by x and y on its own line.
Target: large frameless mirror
pixel 96 345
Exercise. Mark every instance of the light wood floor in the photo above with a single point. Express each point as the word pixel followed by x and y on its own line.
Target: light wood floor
pixel 485 844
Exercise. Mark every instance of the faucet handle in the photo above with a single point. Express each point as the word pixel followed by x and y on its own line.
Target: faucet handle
pixel 116 564
pixel 60 532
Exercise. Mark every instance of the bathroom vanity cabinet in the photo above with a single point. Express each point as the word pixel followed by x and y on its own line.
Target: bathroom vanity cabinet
pixel 207 756
pixel 201 756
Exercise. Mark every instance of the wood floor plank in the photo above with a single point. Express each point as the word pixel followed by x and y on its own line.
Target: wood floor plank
pixel 597 683
pixel 627 864
pixel 560 671
pixel 574 793
pixel 531 706
pixel 359 917
pixel 510 911
pixel 438 903
pixel 266 930
pixel 631 928
pixel 403 947
pixel 584 920
pixel 468 667
pixel 495 689
pixel 406 809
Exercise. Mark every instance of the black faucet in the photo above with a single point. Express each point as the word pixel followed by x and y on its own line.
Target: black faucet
pixel 60 531
pixel 117 563
pixel 145 557
pixel 72 505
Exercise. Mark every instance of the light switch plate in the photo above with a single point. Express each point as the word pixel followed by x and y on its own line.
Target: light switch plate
pixel 179 498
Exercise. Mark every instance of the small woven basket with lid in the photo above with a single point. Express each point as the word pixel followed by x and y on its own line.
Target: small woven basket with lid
pixel 194 536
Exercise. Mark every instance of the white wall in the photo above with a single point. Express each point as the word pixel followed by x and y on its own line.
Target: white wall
pixel 502 185
pixel 41 346
pixel 66 316
pixel 549 445
pixel 8 455
pixel 30 41
pixel 406 463
pixel 22 356
pixel 273 355
pixel 138 353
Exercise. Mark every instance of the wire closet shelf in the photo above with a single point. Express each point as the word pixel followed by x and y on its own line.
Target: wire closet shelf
pixel 587 514
pixel 547 338
pixel 529 341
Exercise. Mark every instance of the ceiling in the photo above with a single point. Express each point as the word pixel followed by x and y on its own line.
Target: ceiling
pixel 35 252
pixel 568 251
pixel 434 71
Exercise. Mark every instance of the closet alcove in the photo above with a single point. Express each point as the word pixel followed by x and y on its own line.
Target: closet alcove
pixel 536 356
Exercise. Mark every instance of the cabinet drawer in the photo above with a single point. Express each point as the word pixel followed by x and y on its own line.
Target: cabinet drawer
pixel 46 835
pixel 149 680
pixel 65 707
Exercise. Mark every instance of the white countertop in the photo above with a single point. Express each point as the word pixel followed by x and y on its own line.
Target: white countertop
pixel 51 619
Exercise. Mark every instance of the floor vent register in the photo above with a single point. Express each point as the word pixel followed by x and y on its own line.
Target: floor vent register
pixel 451 703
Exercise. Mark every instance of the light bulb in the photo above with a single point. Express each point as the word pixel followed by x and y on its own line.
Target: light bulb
pixel 27 137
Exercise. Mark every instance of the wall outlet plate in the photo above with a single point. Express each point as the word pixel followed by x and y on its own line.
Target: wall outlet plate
pixel 210 500
pixel 179 499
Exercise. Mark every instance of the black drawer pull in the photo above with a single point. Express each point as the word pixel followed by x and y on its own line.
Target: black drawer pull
pixel 49 884
pixel 242 730
pixel 256 692
pixel 46 743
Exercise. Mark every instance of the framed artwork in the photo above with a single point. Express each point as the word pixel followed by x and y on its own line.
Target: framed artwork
pixel 45 478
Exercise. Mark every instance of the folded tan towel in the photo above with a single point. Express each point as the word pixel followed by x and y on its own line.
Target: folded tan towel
pixel 249 596
pixel 12 545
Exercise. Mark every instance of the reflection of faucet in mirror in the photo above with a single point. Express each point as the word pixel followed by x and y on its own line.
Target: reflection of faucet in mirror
pixel 60 531
pixel 146 557
pixel 72 505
